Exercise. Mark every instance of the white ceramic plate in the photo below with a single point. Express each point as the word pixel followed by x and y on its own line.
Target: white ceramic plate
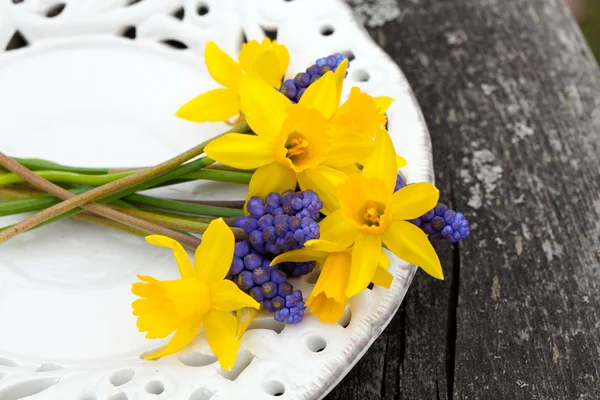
pixel 80 93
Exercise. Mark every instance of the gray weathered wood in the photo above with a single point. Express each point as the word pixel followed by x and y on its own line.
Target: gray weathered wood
pixel 511 95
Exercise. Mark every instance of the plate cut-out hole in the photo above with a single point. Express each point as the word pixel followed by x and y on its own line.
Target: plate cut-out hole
pixel 132 2
pixel 346 318
pixel 17 1
pixel 267 323
pixel 154 387
pixel 179 13
pixel 129 32
pixel 202 9
pixel 121 377
pixel 316 343
pixel 88 396
pixel 17 41
pixel 27 388
pixel 360 75
pixel 349 54
pixel 55 10
pixel 242 361
pixel 202 394
pixel 197 359
pixel 370 286
pixel 271 33
pixel 176 44
pixel 327 30
pixel 7 362
pixel 119 396
pixel 312 277
pixel 274 388
pixel 48 367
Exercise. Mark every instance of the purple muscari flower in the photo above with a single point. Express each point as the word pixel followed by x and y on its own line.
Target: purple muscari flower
pixel 256 207
pixel 244 280
pixel 278 276
pixel 278 303
pixel 256 238
pixel 272 202
pixel 256 294
pixel 399 183
pixel 442 222
pixel 252 261
pixel 296 269
pixel 285 289
pixel 293 312
pixel 241 249
pixel 237 266
pixel 294 88
pixel 269 289
pixel 261 275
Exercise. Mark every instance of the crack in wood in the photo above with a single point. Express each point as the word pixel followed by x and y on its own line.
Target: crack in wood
pixel 452 310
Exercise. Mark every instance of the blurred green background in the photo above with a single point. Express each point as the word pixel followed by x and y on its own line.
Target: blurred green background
pixel 588 15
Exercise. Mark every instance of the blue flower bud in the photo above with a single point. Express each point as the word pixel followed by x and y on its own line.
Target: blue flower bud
pixel 237 265
pixel 278 276
pixel 261 275
pixel 241 249
pixel 256 207
pixel 252 261
pixel 269 289
pixel 244 280
pixel 256 294
pixel 285 289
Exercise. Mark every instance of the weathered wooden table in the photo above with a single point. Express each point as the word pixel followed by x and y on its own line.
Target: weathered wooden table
pixel 511 95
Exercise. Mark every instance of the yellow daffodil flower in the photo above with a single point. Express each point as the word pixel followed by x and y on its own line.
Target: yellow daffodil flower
pixel 292 143
pixel 267 60
pixel 202 297
pixel 371 213
pixel 328 298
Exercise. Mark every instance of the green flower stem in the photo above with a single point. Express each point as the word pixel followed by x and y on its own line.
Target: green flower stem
pixel 115 188
pixel 181 224
pixel 100 209
pixel 184 207
pixel 36 164
pixel 102 179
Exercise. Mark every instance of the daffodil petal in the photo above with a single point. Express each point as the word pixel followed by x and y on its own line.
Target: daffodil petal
pixel 273 177
pixel 183 336
pixel 336 228
pixel 324 181
pixel 213 256
pixel 384 261
pixel 264 107
pixel 248 54
pixel 400 162
pixel 340 74
pixel 300 255
pixel 414 200
pixel 227 296
pixel 382 278
pixel 334 277
pixel 410 243
pixel 221 334
pixel 244 317
pixel 322 95
pixel 242 151
pixel 183 260
pixel 221 66
pixel 213 106
pixel 383 102
pixel 282 55
pixel 364 264
pixel 382 163
pixel 324 245
pixel 266 66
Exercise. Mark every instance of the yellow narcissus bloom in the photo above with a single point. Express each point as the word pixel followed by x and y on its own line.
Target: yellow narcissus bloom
pixel 371 213
pixel 267 60
pixel 328 298
pixel 292 143
pixel 202 297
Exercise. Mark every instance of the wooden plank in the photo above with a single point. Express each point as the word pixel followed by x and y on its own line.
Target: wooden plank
pixel 511 95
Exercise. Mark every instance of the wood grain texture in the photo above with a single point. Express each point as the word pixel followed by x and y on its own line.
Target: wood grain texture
pixel 511 95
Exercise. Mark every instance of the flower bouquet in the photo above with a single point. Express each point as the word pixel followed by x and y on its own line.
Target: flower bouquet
pixel 326 197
